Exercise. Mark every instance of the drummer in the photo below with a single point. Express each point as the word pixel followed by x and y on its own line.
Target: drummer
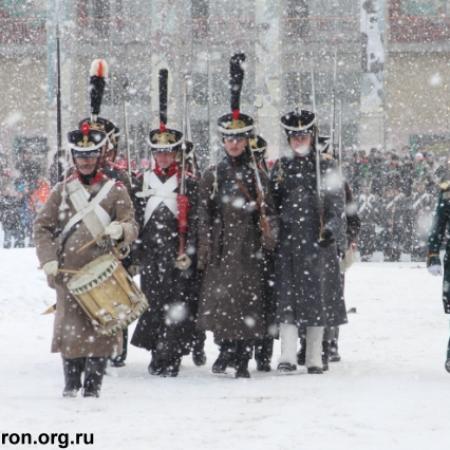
pixel 85 207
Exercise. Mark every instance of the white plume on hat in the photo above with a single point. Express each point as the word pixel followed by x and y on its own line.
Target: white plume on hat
pixel 99 68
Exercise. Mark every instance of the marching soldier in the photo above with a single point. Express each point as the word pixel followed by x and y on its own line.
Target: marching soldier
pixel 333 269
pixel 81 208
pixel 97 80
pixel 166 206
pixel 263 348
pixel 306 258
pixel 439 232
pixel 233 228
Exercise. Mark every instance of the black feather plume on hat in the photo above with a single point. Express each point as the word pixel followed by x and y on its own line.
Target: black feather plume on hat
pixel 97 82
pixel 236 81
pixel 163 76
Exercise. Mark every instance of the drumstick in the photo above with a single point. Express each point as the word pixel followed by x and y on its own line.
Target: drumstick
pixel 69 271
pixel 50 310
pixel 66 270
pixel 85 246
pixel 93 241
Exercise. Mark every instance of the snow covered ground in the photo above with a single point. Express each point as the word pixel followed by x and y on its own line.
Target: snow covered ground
pixel 390 391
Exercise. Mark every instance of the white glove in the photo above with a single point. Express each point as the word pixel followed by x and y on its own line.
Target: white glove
pixel 183 262
pixel 114 230
pixel 51 268
pixel 435 270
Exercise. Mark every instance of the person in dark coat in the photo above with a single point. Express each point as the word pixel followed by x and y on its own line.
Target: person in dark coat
pixel 438 234
pixel 234 226
pixel 10 205
pixel 166 206
pixel 310 225
pixel 332 268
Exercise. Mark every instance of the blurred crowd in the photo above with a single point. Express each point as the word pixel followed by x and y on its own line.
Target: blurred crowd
pixel 396 193
pixel 22 192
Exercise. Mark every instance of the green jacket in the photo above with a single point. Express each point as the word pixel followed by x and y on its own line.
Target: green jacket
pixel 440 230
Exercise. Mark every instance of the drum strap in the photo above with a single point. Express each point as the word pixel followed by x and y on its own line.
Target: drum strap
pixel 88 210
pixel 159 193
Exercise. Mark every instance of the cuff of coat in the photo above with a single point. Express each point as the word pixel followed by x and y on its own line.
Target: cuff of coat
pixel 129 233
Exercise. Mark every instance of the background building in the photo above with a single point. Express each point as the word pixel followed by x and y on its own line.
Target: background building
pixel 391 83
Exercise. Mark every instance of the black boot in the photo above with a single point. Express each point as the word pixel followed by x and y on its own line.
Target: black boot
pixel 243 353
pixel 156 366
pixel 301 355
pixel 198 353
pixel 93 376
pixel 242 369
pixel 315 370
pixel 73 369
pixel 172 367
pixel 263 354
pixel 119 360
pixel 263 366
pixel 325 355
pixel 334 352
pixel 226 357
pixel 221 363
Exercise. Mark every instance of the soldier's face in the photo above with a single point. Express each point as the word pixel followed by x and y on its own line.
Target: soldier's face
pixel 235 146
pixel 86 166
pixel 300 142
pixel 165 159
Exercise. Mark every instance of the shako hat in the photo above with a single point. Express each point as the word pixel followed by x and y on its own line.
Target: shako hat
pixel 298 122
pixel 86 142
pixel 164 139
pixel 236 123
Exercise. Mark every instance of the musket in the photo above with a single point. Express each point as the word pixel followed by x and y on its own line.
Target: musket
pixel 264 223
pixel 188 131
pixel 317 150
pixel 182 198
pixel 333 104
pixel 59 150
pixel 127 136
pixel 340 139
pixel 185 131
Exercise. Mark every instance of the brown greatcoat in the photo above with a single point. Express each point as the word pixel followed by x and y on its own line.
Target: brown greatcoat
pixel 73 335
pixel 230 245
